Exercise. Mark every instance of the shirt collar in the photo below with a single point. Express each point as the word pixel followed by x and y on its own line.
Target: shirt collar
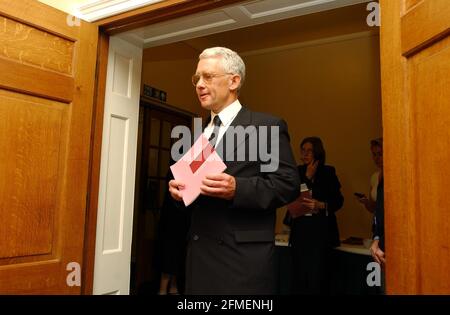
pixel 228 113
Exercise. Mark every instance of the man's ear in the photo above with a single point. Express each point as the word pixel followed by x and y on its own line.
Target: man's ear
pixel 235 81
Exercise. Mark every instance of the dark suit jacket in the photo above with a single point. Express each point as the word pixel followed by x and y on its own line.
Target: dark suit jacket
pixel 231 243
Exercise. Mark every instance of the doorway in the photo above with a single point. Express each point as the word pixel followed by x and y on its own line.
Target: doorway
pixel 156 120
pixel 268 79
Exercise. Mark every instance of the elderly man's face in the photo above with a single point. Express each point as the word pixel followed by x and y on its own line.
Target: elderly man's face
pixel 213 86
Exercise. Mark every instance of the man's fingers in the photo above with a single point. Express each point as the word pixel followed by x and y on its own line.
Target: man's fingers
pixel 219 177
pixel 212 191
pixel 219 185
pixel 375 257
pixel 380 255
pixel 176 184
pixel 174 189
pixel 212 183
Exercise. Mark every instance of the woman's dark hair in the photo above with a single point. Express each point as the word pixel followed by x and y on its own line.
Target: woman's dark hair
pixel 377 143
pixel 318 150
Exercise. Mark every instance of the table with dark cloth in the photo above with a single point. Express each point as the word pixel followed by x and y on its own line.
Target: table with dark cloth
pixel 349 272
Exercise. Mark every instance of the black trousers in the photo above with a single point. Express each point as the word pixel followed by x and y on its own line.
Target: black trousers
pixel 312 255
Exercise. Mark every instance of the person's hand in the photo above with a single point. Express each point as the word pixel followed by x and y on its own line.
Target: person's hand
pixel 175 188
pixel 313 205
pixel 311 169
pixel 364 200
pixel 368 204
pixel 377 253
pixel 219 185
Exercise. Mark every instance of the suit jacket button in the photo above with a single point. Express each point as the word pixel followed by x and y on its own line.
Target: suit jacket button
pixel 195 237
pixel 220 242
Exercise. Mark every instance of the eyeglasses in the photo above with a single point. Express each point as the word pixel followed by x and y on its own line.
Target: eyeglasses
pixel 207 77
pixel 307 151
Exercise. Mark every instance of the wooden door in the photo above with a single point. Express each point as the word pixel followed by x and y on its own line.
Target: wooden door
pixel 415 60
pixel 47 63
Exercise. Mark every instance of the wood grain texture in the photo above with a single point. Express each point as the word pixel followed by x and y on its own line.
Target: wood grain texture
pixel 38 15
pixel 44 168
pixel 429 82
pixel 435 14
pixel 416 108
pixel 398 149
pixel 411 3
pixel 31 80
pixel 29 45
pixel 31 146
pixel 95 159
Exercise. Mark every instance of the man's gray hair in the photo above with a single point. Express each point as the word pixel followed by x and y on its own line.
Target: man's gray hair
pixel 231 61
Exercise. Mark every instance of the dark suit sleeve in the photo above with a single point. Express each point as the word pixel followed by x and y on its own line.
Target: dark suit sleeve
pixel 378 225
pixel 274 189
pixel 335 199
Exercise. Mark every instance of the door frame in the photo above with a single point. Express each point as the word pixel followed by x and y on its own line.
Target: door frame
pixel 151 14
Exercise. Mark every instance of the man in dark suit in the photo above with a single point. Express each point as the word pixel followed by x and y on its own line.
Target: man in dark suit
pixel 231 238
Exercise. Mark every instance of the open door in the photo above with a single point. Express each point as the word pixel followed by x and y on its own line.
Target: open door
pixel 47 62
pixel 415 60
pixel 117 169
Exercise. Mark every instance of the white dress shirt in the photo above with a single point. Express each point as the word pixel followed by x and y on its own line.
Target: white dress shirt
pixel 226 116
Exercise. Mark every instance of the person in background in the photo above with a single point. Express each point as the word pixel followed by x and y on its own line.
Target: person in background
pixel 376 147
pixel 314 234
pixel 172 233
pixel 377 249
pixel 375 204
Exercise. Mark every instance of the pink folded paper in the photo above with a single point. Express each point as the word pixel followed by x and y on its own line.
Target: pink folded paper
pixel 192 168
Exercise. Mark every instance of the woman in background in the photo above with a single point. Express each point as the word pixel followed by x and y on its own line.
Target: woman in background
pixel 375 204
pixel 315 233
pixel 173 227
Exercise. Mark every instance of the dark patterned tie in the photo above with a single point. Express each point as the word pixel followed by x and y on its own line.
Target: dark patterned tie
pixel 213 138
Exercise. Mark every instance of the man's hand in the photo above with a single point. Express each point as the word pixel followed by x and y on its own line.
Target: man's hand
pixel 377 253
pixel 174 189
pixel 219 185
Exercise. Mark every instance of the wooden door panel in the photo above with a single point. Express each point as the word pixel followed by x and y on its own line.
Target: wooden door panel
pixel 46 98
pixel 429 98
pixel 34 143
pixel 410 3
pixel 17 76
pixel 23 43
pixel 415 50
pixel 423 24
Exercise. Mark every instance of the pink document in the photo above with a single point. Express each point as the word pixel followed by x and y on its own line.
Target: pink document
pixel 192 168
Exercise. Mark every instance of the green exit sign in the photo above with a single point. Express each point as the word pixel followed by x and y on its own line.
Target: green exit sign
pixel 155 93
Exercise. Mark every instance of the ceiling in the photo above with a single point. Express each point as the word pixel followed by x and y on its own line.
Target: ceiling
pixel 243 15
pixel 332 25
